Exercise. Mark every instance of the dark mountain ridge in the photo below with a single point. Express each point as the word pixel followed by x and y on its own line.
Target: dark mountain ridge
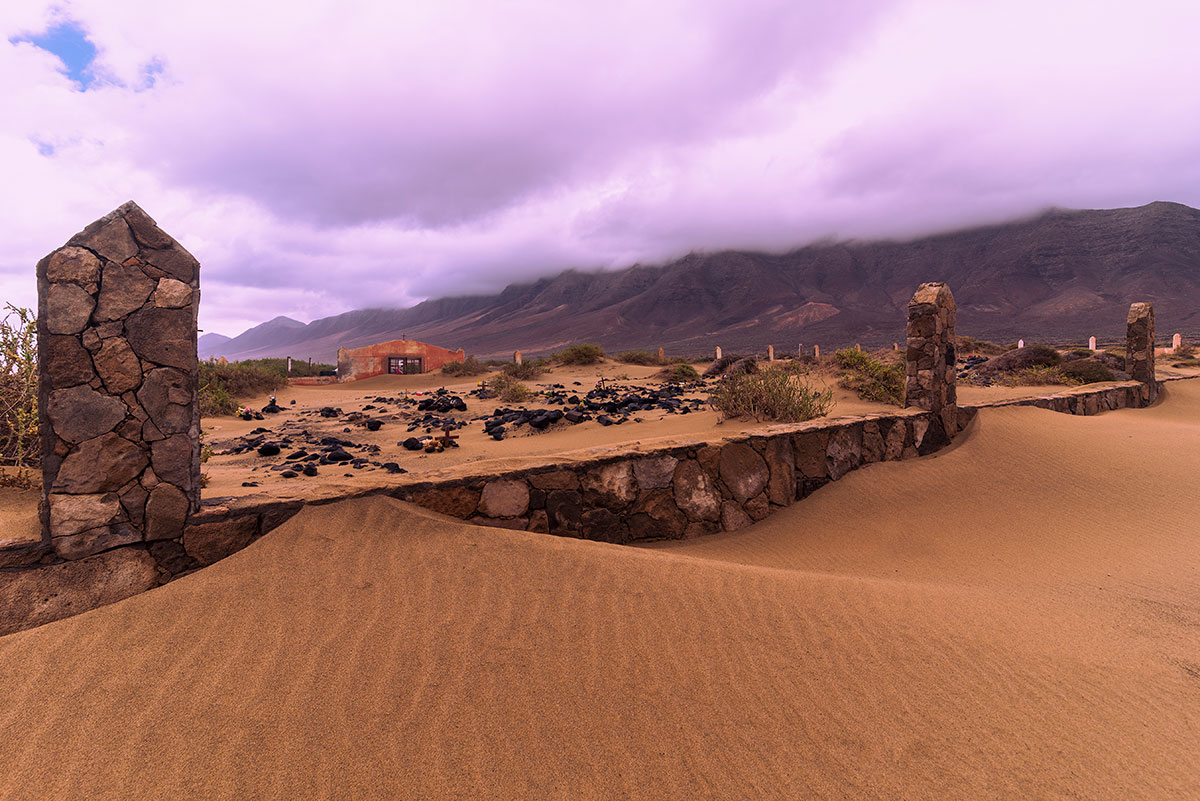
pixel 1059 276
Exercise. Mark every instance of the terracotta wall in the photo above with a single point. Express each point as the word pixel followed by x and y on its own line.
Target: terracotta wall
pixel 371 360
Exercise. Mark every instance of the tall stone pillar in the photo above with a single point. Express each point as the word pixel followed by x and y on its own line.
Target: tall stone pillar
pixel 119 378
pixel 1139 345
pixel 930 373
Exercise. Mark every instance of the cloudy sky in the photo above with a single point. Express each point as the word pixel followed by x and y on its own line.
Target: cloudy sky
pixel 322 156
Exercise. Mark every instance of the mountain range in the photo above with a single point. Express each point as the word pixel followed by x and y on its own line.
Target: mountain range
pixel 1062 275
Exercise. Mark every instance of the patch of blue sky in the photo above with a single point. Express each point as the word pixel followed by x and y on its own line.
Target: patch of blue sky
pixel 69 42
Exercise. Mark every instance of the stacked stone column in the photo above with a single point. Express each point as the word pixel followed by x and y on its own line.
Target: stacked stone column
pixel 119 378
pixel 930 371
pixel 1139 345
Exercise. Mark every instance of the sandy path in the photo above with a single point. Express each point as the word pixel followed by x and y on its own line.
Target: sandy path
pixel 1017 617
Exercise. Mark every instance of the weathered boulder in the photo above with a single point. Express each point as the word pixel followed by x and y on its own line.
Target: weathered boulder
pixel 656 515
pixel 46 593
pixel 504 498
pixel 603 525
pixel 733 518
pixel 81 413
pixel 758 507
pixel 122 290
pixel 168 400
pixel 810 449
pixel 93 541
pixel 68 308
pixel 564 509
pixel 844 451
pixel 109 236
pixel 780 457
pixel 611 486
pixel 460 502
pixel 894 443
pixel 655 472
pixel 74 514
pixel 209 542
pixel 743 471
pixel 555 480
pixel 873 447
pixel 172 294
pixel 166 512
pixel 694 492
pixel 172 460
pixel 102 464
pixel 173 262
pixel 163 336
pixel 73 265
pixel 118 366
pixel 66 362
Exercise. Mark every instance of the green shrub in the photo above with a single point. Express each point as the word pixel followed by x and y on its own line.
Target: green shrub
pixel 469 366
pixel 1021 359
pixel 1086 371
pixel 780 395
pixel 509 390
pixel 642 357
pixel 967 345
pixel 222 385
pixel 681 373
pixel 871 379
pixel 1037 375
pixel 19 443
pixel 526 371
pixel 579 354
pixel 300 368
pixel 1184 352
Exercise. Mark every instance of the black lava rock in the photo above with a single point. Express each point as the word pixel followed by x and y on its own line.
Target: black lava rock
pixel 268 449
pixel 374 425
pixel 412 444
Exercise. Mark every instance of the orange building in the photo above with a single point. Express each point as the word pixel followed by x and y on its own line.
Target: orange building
pixel 398 357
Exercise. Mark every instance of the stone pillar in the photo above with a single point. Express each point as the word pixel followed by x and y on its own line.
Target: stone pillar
pixel 1176 342
pixel 857 347
pixel 119 378
pixel 895 346
pixel 816 351
pixel 770 353
pixel 1139 345
pixel 930 371
pixel 662 356
pixel 718 352
pixel 517 357
pixel 1092 344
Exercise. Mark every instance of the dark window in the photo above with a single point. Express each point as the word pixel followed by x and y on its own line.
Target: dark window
pixel 405 365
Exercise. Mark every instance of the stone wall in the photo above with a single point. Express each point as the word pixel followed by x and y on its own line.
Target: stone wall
pixel 118 378
pixel 931 376
pixel 619 496
pixel 1139 344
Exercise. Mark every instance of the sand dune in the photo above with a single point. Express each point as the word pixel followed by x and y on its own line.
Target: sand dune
pixel 1017 617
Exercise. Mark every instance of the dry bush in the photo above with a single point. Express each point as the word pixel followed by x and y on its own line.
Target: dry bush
pixel 871 378
pixel 510 390
pixel 469 366
pixel 583 354
pixel 641 357
pixel 777 394
pixel 970 345
pixel 222 385
pixel 1086 371
pixel 1037 375
pixel 679 374
pixel 526 371
pixel 19 444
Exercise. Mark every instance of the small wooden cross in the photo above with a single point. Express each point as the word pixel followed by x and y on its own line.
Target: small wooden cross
pixel 447 439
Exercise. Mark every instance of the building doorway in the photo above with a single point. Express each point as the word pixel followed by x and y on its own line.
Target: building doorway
pixel 405 365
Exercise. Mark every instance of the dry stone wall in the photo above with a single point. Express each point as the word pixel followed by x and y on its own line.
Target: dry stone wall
pixel 1139 344
pixel 118 376
pixel 931 375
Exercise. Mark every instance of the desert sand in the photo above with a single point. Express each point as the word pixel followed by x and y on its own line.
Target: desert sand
pixel 1017 616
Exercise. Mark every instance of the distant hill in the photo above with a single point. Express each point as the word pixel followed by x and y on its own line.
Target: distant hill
pixel 1063 275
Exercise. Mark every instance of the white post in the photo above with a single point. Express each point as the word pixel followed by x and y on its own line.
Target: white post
pixel 1176 342
pixel 718 353
pixel 1092 344
pixel 1020 343
pixel 770 353
pixel 289 365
